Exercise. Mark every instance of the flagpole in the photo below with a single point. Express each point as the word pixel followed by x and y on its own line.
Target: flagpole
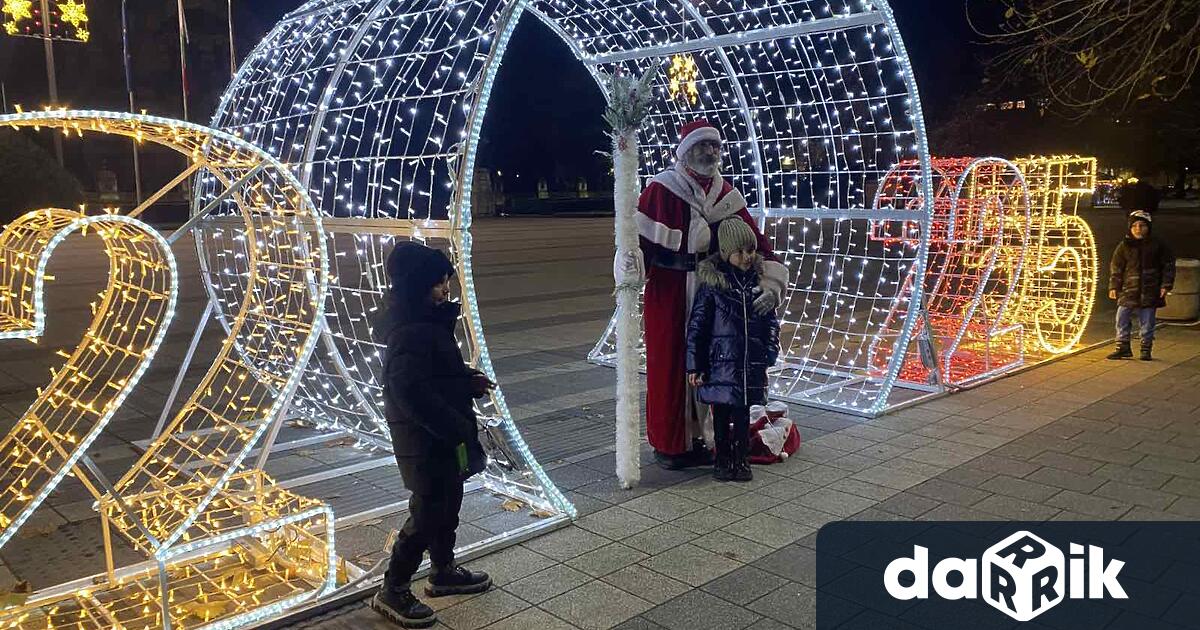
pixel 51 77
pixel 182 56
pixel 127 60
pixel 232 48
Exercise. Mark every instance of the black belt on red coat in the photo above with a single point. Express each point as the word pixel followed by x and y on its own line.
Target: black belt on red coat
pixel 675 260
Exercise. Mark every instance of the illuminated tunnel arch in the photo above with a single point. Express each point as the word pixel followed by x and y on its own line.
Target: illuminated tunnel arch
pixel 378 105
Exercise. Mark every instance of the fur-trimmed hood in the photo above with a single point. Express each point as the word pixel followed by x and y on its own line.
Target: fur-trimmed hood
pixel 709 271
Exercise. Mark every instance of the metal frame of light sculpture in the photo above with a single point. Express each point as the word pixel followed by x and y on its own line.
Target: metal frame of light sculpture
pixel 379 104
pixel 224 545
pixel 816 134
pixel 1058 291
pixel 817 179
pixel 979 233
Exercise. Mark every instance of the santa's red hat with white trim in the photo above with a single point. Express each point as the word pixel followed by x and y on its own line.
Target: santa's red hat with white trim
pixel 695 132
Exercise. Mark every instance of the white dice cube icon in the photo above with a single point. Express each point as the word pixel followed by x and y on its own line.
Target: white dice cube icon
pixel 1023 576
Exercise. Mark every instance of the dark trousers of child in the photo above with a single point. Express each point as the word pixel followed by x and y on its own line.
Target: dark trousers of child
pixel 735 445
pixel 432 521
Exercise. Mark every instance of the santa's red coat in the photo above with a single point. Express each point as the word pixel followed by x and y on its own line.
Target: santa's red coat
pixel 669 226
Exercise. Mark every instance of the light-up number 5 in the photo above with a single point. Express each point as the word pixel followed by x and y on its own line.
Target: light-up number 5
pixel 1059 286
pixel 224 545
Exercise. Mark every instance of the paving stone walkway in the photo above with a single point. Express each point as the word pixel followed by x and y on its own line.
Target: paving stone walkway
pixel 1079 439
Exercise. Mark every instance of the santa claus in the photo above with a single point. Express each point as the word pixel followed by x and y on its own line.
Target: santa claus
pixel 677 218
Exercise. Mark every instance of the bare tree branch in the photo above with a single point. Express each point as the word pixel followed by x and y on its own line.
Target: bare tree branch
pixel 1096 55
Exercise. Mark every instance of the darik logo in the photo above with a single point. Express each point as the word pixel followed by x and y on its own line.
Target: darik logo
pixel 1022 575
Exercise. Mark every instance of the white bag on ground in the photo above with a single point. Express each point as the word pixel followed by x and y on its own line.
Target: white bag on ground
pixel 775 432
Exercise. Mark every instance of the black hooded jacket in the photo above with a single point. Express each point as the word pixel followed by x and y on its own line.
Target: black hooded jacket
pixel 427 386
pixel 1140 269
pixel 729 342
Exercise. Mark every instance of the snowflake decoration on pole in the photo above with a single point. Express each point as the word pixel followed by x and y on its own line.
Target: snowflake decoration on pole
pixel 16 10
pixel 682 76
pixel 67 21
pixel 75 14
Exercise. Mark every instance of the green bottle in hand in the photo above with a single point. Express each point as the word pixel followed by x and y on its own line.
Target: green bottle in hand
pixel 461 453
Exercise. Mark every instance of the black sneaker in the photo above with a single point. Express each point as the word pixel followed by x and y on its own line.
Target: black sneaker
pixel 460 581
pixel 403 607
pixel 741 471
pixel 1146 354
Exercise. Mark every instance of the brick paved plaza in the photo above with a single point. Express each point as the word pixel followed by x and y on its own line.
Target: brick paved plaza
pixel 1081 438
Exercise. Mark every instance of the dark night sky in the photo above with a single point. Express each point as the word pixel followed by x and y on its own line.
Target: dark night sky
pixel 547 102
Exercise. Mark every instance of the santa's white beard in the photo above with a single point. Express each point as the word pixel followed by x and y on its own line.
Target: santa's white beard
pixel 705 168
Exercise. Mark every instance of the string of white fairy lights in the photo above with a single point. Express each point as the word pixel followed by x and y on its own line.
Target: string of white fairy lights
pixel 832 113
pixel 378 105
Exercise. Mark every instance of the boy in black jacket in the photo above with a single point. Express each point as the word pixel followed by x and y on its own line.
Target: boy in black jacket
pixel 428 394
pixel 730 344
pixel 1140 276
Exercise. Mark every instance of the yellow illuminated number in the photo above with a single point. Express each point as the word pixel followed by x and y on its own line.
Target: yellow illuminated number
pixel 129 323
pixel 225 546
pixel 1057 291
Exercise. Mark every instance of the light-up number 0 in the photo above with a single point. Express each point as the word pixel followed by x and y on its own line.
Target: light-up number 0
pixel 979 217
pixel 225 546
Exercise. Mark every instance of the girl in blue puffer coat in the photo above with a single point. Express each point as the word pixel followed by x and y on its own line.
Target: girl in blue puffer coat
pixel 731 344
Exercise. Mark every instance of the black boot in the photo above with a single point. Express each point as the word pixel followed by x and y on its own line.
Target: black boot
pixel 402 607
pixel 670 462
pixel 723 466
pixel 741 464
pixel 1146 351
pixel 1122 352
pixel 457 581
pixel 700 455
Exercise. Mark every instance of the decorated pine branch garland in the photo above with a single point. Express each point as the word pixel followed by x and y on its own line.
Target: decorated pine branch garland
pixel 628 109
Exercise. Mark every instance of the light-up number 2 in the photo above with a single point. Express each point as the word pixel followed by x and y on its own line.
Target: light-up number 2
pixel 225 545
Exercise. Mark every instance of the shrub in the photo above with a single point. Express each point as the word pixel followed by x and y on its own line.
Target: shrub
pixel 30 178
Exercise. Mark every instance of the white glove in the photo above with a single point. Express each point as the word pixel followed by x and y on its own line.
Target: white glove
pixel 629 268
pixel 767 302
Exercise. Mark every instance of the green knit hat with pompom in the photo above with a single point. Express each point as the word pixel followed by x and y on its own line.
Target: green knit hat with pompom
pixel 735 234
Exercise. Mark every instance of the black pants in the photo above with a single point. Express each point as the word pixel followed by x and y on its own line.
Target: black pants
pixel 432 521
pixel 738 443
